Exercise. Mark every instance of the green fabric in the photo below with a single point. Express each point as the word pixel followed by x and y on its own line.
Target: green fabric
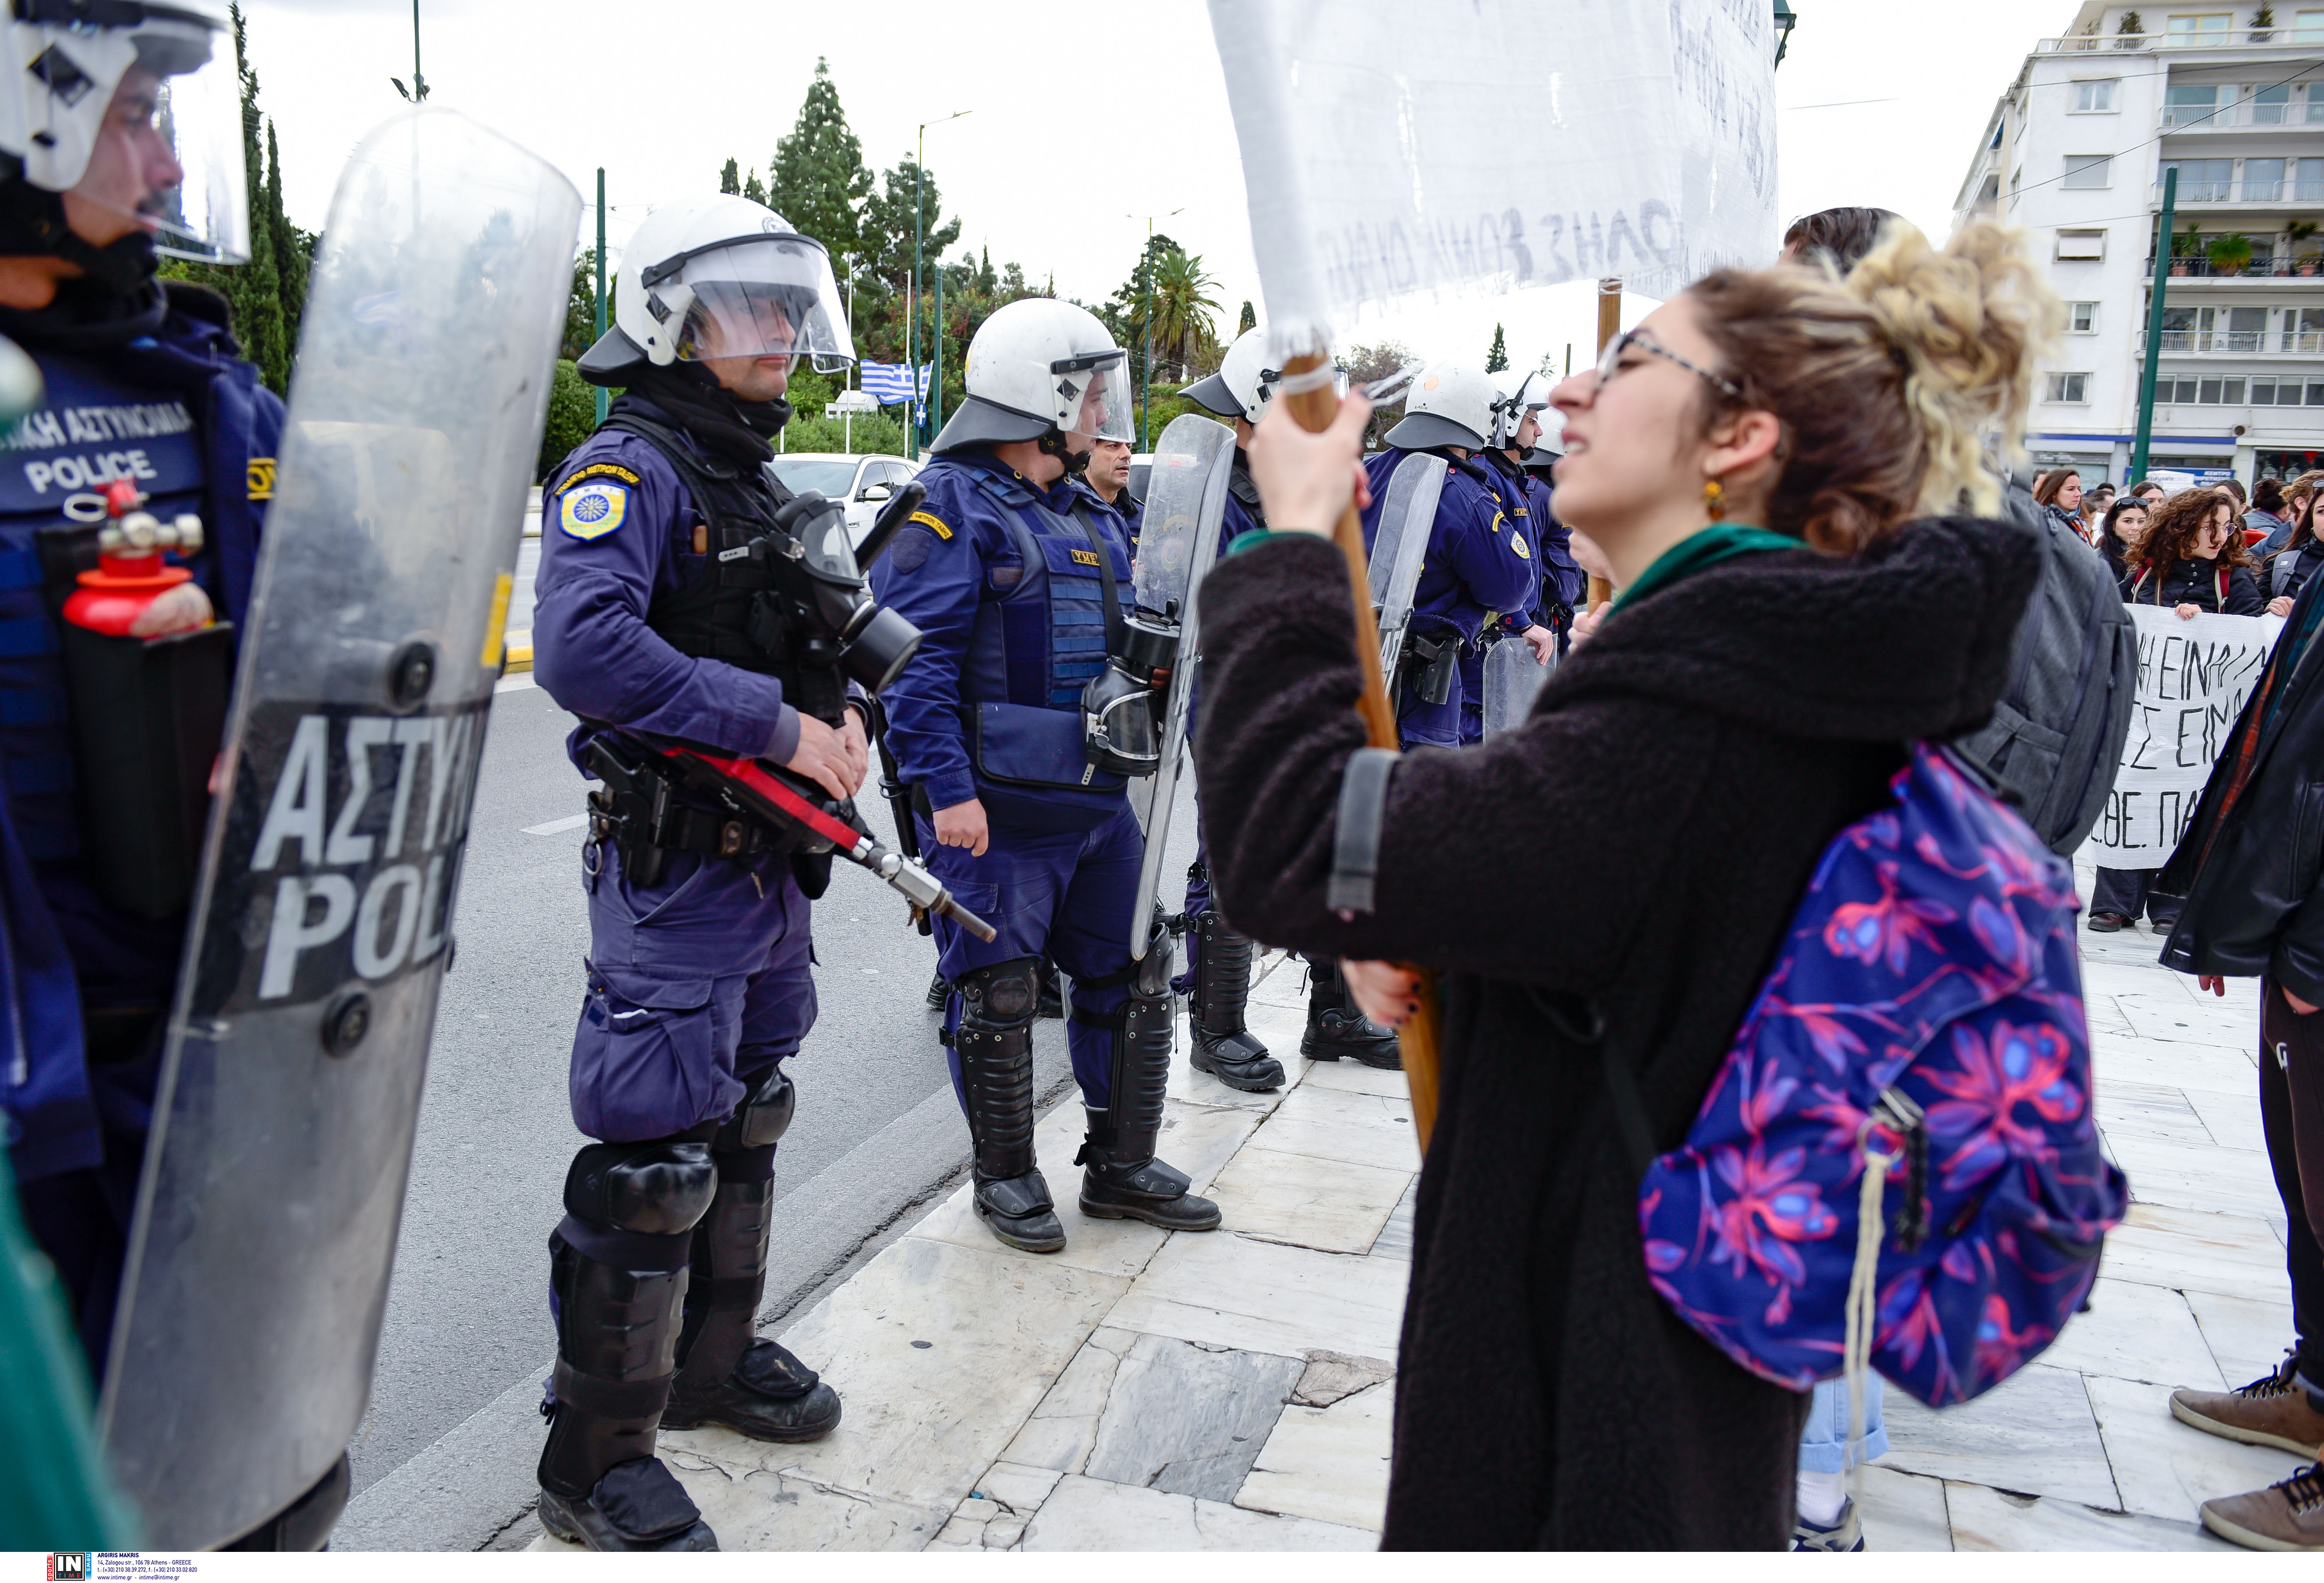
pixel 58 1494
pixel 1252 537
pixel 1718 542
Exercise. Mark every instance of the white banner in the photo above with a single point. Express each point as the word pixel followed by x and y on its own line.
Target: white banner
pixel 1391 148
pixel 2194 676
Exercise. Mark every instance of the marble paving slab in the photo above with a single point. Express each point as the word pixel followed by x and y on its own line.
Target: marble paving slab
pixel 1365 1129
pixel 1353 1076
pixel 1063 1427
pixel 2221 1068
pixel 2165 1469
pixel 922 1421
pixel 2232 1119
pixel 2235 1254
pixel 2150 1111
pixel 2248 1336
pixel 1089 1514
pixel 2032 1432
pixel 2203 1176
pixel 1274 1027
pixel 1189 1420
pixel 1299 1199
pixel 1994 1519
pixel 1395 1241
pixel 1228 1291
pixel 1328 1463
pixel 1902 1511
pixel 2135 1331
pixel 761 1509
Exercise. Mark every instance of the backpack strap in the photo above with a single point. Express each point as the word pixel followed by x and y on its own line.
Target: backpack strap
pixel 1113 628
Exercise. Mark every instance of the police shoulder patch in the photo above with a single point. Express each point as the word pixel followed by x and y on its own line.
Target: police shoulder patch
pixel 592 511
pixel 602 470
pixel 931 523
pixel 1516 542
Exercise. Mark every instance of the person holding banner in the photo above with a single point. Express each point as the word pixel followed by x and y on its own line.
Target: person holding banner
pixel 1766 441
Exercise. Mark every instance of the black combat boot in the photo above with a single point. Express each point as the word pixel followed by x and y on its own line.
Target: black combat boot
pixel 994 1041
pixel 1223 1046
pixel 617 1328
pixel 1121 1178
pixel 727 1374
pixel 1335 1028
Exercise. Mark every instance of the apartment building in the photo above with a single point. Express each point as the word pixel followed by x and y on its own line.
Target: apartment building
pixel 2232 97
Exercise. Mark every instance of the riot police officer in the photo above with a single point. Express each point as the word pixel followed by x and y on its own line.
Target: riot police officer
pixel 661 615
pixel 1557 581
pixel 1217 980
pixel 149 412
pixel 1016 578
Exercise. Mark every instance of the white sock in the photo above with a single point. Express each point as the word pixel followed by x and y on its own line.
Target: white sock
pixel 1822 1496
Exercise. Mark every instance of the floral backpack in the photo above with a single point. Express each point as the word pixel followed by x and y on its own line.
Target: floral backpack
pixel 1897 1164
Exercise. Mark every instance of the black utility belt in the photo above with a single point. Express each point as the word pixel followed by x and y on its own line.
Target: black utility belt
pixel 631 818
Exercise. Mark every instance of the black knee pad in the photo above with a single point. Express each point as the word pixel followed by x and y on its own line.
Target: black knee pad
pixel 1000 995
pixel 659 1189
pixel 762 1117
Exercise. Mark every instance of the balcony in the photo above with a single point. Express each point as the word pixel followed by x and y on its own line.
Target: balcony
pixel 2200 191
pixel 2239 39
pixel 2242 343
pixel 2199 267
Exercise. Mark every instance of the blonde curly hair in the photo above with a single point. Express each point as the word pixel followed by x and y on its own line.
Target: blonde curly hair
pixel 1887 381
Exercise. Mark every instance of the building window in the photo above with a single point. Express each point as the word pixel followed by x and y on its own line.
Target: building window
pixel 2178 336
pixel 2091 169
pixel 2206 27
pixel 2271 105
pixel 2262 181
pixel 2071 388
pixel 2216 392
pixel 2307 27
pixel 2091 98
pixel 2082 318
pixel 1998 128
pixel 2204 180
pixel 2081 244
pixel 2231 329
pixel 2307 333
pixel 2184 106
pixel 2267 392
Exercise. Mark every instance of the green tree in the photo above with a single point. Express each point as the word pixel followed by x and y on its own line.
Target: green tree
pixel 752 191
pixel 572 416
pixel 883 261
pixel 1497 357
pixel 1249 320
pixel 1184 334
pixel 730 180
pixel 817 180
pixel 294 248
pixel 581 308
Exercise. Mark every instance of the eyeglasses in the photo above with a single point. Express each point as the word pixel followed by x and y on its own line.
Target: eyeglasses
pixel 1609 362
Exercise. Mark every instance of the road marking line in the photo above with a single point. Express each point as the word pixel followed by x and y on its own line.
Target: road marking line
pixel 557 827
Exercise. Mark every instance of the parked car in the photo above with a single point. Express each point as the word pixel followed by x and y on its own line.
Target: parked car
pixel 1141 467
pixel 863 482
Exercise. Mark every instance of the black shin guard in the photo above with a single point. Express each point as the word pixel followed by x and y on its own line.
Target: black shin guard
pixel 1121 1178
pixel 1225 1046
pixel 995 1044
pixel 618 1266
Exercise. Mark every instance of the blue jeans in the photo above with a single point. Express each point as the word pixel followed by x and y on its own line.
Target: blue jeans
pixel 1823 1444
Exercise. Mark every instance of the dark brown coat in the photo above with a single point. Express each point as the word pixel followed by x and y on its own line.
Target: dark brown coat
pixel 1666 801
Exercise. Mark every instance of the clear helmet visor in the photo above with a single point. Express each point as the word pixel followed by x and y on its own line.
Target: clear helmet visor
pixel 1094 397
pixel 141 128
pixel 767 297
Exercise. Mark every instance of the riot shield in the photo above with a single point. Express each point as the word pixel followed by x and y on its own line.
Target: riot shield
pixel 1407 517
pixel 1177 539
pixel 266 1220
pixel 1512 677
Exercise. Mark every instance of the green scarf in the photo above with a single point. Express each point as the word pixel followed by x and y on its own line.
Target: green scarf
pixel 1717 542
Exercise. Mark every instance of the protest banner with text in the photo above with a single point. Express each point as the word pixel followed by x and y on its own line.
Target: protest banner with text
pixel 2194 676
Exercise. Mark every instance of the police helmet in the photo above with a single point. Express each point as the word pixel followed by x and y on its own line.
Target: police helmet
pixel 1244 384
pixel 1038 368
pixel 134 108
pixel 1521 393
pixel 720 277
pixel 1447 404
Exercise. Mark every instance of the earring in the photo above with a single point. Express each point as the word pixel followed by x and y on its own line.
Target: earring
pixel 1714 500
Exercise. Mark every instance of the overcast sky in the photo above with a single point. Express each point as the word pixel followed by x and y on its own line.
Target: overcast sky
pixel 1085 118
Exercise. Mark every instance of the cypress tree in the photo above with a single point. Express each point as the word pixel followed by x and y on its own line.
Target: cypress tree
pixel 255 290
pixel 730 180
pixel 292 249
pixel 1498 357
pixel 752 191
pixel 1249 320
pixel 817 180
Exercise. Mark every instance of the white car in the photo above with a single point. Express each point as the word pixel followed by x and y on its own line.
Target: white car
pixel 862 483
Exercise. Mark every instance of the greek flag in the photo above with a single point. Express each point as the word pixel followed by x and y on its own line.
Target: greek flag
pixel 889 384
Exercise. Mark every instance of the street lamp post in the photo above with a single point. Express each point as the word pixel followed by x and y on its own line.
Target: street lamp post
pixel 419 94
pixel 2162 267
pixel 912 311
pixel 1146 316
pixel 604 395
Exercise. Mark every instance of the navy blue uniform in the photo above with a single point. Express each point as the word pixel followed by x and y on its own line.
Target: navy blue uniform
pixel 1557 582
pixel 1477 565
pixel 698 981
pixel 170 406
pixel 1003 581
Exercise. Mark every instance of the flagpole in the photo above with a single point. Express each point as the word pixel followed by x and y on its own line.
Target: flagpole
pixel 1420 1037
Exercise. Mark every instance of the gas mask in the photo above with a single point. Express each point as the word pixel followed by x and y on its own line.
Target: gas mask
pixel 1122 710
pixel 871 643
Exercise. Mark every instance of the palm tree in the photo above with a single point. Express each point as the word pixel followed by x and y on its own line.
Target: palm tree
pixel 1184 331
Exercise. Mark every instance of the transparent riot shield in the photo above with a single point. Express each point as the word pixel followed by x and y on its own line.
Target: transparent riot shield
pixel 1512 677
pixel 1177 539
pixel 274 1178
pixel 1407 517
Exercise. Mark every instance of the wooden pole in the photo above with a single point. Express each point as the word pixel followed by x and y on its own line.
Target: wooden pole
pixel 1609 324
pixel 1419 1037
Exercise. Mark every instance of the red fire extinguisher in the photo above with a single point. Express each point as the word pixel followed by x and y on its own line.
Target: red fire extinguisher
pixel 135 592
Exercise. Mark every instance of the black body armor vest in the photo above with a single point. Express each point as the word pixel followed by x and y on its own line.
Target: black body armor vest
pixel 754 612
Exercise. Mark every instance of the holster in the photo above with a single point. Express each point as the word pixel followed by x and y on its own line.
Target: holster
pixel 1430 665
pixel 638 812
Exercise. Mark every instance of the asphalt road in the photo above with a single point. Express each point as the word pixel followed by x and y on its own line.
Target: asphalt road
pixel 468 1315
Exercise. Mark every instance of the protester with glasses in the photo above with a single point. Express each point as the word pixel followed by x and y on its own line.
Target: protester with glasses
pixel 1758 461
